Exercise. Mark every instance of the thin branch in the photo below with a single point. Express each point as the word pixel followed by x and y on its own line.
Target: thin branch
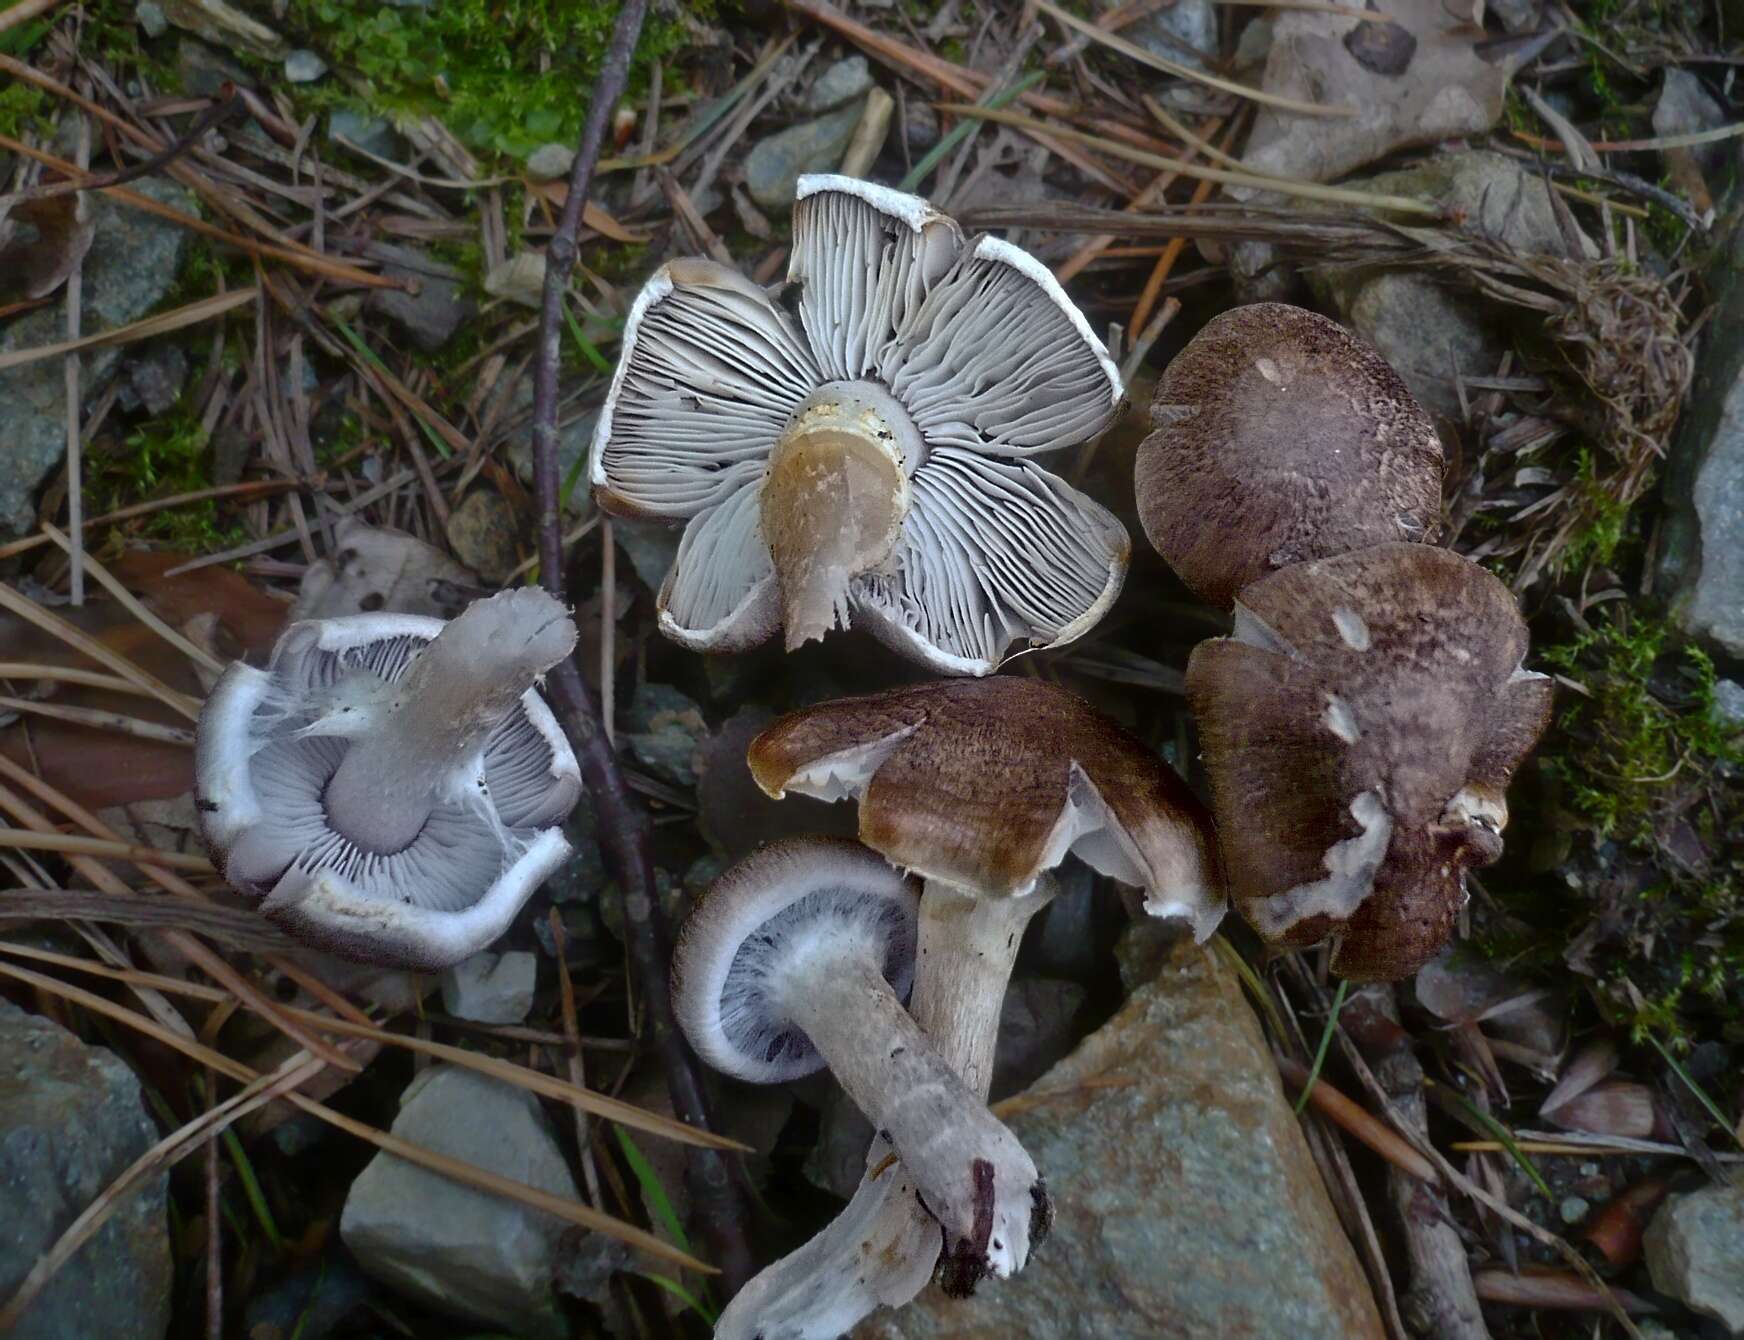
pixel 625 832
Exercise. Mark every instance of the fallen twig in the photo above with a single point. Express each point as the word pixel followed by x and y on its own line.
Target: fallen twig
pixel 623 827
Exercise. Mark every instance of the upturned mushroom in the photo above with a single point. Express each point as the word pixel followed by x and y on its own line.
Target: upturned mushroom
pixel 981 787
pixel 859 446
pixel 1359 729
pixel 798 957
pixel 390 786
pixel 1278 436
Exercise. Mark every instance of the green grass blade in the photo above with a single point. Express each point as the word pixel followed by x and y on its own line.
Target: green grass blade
pixel 1700 1093
pixel 589 350
pixel 683 1294
pixel 1325 1044
pixel 1501 1135
pixel 652 1189
pixel 252 1190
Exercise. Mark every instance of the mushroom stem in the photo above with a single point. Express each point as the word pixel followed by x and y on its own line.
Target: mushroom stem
pixel 882 1248
pixel 965 1164
pixel 834 500
pixel 966 948
pixel 435 719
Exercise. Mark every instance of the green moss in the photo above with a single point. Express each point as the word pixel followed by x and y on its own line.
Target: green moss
pixel 1647 774
pixel 163 457
pixel 506 76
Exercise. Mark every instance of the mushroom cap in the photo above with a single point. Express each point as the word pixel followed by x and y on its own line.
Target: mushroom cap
pixel 987 784
pixel 1359 729
pixel 1277 437
pixel 270 741
pixel 985 363
pixel 761 919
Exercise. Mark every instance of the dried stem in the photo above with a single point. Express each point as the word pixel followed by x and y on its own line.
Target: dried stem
pixel 625 832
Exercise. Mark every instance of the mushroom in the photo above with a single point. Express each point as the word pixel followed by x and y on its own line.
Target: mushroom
pixel 1277 436
pixel 981 787
pixel 859 446
pixel 1359 729
pixel 799 956
pixel 391 785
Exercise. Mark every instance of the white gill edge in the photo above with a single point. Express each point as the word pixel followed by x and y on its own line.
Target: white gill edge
pixel 844 774
pixel 912 210
pixel 1004 253
pixel 222 753
pixel 659 285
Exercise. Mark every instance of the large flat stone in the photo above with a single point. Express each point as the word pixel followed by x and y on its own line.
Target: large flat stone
pixel 456 1250
pixel 71 1120
pixel 1695 1252
pixel 131 265
pixel 1188 1203
pixel 1701 566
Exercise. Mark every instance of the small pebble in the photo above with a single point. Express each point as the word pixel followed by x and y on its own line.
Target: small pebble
pixel 550 161
pixel 1573 1209
pixel 151 18
pixel 303 66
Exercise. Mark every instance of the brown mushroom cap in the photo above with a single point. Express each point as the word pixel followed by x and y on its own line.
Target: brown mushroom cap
pixel 1359 730
pixel 1277 437
pixel 986 784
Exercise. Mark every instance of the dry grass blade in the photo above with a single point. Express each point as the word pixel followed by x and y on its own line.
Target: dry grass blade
pixel 198 655
pixel 161 324
pixel 81 641
pixel 546 1086
pixel 1356 1120
pixel 1132 51
pixel 1559 1289
pixel 165 1154
pixel 23 839
pixel 302 260
pixel 69 674
pixel 24 11
pixel 99 720
pixel 1334 195
pixel 470 1174
pixel 232 926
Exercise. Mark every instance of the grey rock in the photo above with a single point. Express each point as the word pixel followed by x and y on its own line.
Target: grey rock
pixel 204 70
pixel 549 162
pixel 453 1249
pixel 847 79
pixel 1701 565
pixel 1517 16
pixel 481 531
pixel 225 26
pixel 1184 32
pixel 491 988
pixel 71 1120
pixel 838 1160
pixel 1685 106
pixel 1695 1252
pixel 150 18
pixel 920 123
pixel 155 380
pixel 664 730
pixel 775 165
pixel 372 134
pixel 1254 44
pixel 583 876
pixel 131 265
pixel 1037 1027
pixel 1729 702
pixel 303 66
pixel 440 306
pixel 1427 330
pixel 309 1303
pixel 1188 1203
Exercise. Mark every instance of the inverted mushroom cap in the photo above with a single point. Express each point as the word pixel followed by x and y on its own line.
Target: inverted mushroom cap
pixel 1278 436
pixel 862 453
pixel 756 925
pixel 987 784
pixel 449 825
pixel 1359 730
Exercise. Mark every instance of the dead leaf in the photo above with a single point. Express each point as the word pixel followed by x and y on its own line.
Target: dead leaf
pixel 592 216
pixel 375 569
pixel 41 242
